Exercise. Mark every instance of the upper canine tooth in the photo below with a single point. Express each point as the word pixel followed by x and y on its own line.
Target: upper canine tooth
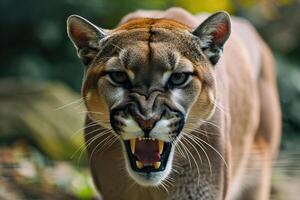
pixel 156 165
pixel 139 164
pixel 160 146
pixel 132 145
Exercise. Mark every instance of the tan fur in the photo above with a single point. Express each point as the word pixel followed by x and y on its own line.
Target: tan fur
pixel 243 121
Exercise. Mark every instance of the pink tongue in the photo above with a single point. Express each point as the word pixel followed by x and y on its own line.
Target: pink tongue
pixel 147 151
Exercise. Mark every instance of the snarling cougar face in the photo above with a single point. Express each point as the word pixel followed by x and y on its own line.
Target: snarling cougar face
pixel 150 80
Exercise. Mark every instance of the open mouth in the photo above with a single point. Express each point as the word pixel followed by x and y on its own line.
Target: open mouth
pixel 147 154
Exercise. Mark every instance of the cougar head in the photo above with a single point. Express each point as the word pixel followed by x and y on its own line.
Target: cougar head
pixel 148 79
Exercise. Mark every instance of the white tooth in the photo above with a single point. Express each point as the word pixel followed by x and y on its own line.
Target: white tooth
pixel 160 146
pixel 153 139
pixel 132 145
pixel 156 165
pixel 140 138
pixel 139 164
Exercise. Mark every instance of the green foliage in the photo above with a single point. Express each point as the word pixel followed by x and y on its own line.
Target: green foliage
pixel 288 74
pixel 206 6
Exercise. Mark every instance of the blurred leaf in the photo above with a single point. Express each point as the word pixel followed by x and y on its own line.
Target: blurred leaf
pixel 206 5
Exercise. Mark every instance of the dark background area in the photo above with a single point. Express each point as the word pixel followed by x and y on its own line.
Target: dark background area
pixel 39 69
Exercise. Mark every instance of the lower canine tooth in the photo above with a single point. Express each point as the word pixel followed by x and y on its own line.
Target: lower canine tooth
pixel 160 146
pixel 139 164
pixel 156 165
pixel 132 145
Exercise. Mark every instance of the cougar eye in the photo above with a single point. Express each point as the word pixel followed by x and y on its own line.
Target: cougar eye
pixel 178 79
pixel 118 77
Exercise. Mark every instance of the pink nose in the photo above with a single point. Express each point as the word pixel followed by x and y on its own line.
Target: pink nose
pixel 146 124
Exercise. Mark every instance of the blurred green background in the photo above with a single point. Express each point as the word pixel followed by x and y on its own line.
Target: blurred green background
pixel 40 80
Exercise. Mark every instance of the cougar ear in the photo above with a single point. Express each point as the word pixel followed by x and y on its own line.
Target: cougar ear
pixel 213 33
pixel 85 37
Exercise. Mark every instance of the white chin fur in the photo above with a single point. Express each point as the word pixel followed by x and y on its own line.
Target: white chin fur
pixel 152 179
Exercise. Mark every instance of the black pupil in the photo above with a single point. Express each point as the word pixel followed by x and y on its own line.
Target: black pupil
pixel 119 77
pixel 178 78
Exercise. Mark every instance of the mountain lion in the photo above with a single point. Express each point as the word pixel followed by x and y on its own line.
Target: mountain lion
pixel 178 106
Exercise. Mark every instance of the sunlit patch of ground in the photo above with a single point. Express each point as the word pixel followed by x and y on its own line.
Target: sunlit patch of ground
pixel 25 173
pixel 286 176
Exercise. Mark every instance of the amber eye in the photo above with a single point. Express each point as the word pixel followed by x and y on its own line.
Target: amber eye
pixel 118 77
pixel 178 79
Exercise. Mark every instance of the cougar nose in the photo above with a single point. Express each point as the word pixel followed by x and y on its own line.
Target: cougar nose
pixel 143 111
pixel 146 124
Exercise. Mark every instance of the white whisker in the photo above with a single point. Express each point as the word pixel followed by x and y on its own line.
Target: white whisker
pixel 198 170
pixel 201 140
pixel 69 104
pixel 200 145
